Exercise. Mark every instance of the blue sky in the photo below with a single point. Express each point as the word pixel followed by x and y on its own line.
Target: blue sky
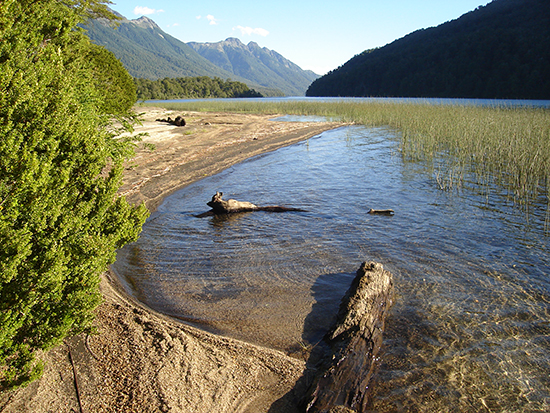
pixel 316 35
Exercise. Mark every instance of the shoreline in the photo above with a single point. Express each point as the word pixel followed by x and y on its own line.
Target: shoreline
pixel 210 143
pixel 143 361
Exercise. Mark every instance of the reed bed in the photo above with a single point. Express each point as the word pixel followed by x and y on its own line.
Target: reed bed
pixel 488 147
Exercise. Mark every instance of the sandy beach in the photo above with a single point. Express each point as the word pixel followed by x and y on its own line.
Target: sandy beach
pixel 142 361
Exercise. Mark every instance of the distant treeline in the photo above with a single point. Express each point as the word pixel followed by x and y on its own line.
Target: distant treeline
pixel 499 51
pixel 193 88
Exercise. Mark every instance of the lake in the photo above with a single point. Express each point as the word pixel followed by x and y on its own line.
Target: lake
pixel 470 326
pixel 421 101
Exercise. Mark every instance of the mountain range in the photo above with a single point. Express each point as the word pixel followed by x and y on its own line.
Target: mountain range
pixel 258 64
pixel 498 51
pixel 146 51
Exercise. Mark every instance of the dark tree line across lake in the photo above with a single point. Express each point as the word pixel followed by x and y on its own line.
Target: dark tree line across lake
pixel 500 51
pixel 192 88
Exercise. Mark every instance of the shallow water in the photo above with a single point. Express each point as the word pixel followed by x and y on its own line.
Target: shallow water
pixel 469 329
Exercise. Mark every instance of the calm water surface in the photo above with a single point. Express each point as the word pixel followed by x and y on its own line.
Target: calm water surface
pixel 469 329
pixel 422 101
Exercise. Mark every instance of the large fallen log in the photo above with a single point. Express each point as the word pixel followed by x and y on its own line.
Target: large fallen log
pixel 221 206
pixel 231 206
pixel 179 121
pixel 342 383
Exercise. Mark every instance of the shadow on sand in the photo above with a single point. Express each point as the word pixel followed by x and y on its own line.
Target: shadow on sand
pixel 328 292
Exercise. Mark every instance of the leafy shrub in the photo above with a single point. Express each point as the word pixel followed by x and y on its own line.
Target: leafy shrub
pixel 60 168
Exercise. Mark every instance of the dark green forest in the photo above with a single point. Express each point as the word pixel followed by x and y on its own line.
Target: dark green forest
pixel 63 104
pixel 499 51
pixel 192 88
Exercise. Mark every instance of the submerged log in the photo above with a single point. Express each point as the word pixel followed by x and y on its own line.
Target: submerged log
pixel 381 211
pixel 354 341
pixel 221 206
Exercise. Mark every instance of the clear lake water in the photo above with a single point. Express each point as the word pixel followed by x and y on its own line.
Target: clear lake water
pixel 469 330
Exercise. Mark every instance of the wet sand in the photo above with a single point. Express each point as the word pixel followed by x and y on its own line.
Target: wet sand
pixel 142 361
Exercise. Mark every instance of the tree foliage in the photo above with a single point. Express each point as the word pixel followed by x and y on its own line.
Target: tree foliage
pixel 60 168
pixel 499 51
pixel 192 88
pixel 118 91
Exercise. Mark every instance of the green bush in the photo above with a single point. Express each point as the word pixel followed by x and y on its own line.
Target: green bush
pixel 61 220
pixel 118 91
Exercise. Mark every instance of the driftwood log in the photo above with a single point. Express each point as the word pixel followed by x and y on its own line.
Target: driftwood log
pixel 230 206
pixel 342 383
pixel 381 211
pixel 221 206
pixel 179 121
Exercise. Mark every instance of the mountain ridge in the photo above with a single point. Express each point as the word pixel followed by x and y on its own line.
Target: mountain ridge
pixel 148 52
pixel 259 64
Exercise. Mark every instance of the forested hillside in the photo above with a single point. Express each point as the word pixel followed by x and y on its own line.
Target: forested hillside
pixel 192 88
pixel 147 52
pixel 498 51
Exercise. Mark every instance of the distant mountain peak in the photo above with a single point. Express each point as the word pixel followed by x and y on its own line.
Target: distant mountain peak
pixel 233 41
pixel 258 64
pixel 145 23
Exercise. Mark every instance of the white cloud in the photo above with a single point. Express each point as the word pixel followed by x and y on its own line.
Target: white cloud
pixel 144 10
pixel 249 30
pixel 212 19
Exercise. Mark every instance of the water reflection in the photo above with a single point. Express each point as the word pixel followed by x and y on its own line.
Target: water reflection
pixel 469 329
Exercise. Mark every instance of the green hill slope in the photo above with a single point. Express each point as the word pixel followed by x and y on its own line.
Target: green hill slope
pixel 147 52
pixel 260 65
pixel 498 51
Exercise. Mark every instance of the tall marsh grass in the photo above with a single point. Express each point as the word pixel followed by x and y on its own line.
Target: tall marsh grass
pixel 502 147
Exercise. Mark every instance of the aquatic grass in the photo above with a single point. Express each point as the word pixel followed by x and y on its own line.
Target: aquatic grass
pixel 488 147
